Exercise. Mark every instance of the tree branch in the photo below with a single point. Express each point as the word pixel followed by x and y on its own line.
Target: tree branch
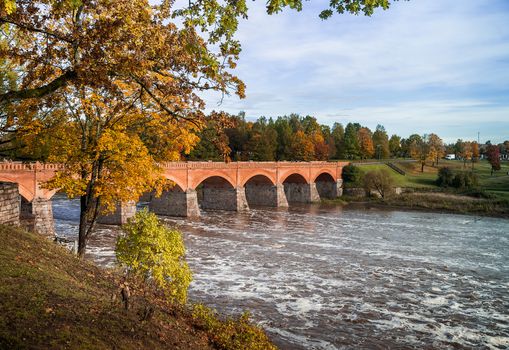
pixel 38 92
pixel 163 105
pixel 37 30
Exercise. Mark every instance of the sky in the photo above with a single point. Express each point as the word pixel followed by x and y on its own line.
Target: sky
pixel 422 66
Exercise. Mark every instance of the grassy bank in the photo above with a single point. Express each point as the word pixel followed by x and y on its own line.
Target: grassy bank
pixel 50 299
pixel 437 202
pixel 497 184
pixel 492 192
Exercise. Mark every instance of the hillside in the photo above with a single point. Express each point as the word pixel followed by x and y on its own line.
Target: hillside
pixel 50 299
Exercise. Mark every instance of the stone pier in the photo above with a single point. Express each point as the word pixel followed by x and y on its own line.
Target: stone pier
pixel 329 189
pixel 43 214
pixel 301 192
pixel 37 216
pixel 267 195
pixel 122 212
pixel 223 198
pixel 176 203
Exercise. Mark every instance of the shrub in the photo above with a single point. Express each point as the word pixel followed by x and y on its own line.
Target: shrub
pixel 380 181
pixel 352 175
pixel 465 179
pixel 149 249
pixel 445 177
pixel 461 179
pixel 231 334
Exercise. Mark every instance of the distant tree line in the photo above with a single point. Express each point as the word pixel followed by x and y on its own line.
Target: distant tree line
pixel 297 138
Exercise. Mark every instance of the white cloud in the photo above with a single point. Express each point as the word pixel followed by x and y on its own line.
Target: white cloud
pixel 422 60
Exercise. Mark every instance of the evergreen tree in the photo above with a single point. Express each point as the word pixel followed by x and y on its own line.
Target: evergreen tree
pixel 395 146
pixel 338 135
pixel 381 142
pixel 351 149
pixel 284 138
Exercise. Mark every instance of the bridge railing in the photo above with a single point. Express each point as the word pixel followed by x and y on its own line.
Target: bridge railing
pixel 244 165
pixel 9 165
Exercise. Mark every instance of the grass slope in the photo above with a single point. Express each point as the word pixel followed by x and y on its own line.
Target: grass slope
pixel 50 299
pixel 498 183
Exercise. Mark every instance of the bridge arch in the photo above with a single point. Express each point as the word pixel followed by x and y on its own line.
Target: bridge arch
pixel 179 183
pixel 295 178
pixel 23 190
pixel 326 185
pixel 210 177
pixel 216 181
pixel 262 191
pixel 219 193
pixel 324 175
pixel 258 176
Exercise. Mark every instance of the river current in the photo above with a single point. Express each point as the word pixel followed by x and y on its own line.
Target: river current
pixel 324 277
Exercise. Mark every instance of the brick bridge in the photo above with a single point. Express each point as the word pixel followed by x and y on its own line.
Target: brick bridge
pixel 231 186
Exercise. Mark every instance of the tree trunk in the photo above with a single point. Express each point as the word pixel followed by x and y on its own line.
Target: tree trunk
pixel 422 167
pixel 89 209
pixel 82 233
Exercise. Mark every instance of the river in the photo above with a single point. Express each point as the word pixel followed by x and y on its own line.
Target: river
pixel 324 277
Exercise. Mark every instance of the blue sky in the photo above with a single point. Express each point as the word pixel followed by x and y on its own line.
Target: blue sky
pixel 423 66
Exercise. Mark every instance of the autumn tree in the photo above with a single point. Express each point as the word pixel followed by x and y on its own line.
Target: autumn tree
pixel 321 148
pixel 419 149
pixel 301 147
pixel 466 152
pixel 458 148
pixel 436 149
pixel 493 155
pixel 114 86
pixel 475 153
pixel 111 111
pixel 329 142
pixel 380 181
pixel 8 81
pixel 109 151
pixel 365 143
pixel 313 130
pixel 213 144
pixel 262 141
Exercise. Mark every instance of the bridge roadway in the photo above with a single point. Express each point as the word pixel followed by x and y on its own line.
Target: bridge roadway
pixel 207 185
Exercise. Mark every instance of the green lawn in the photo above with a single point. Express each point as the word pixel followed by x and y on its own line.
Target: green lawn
pixel 411 179
pixel 497 184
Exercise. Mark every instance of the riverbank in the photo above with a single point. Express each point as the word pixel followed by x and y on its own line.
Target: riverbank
pixel 434 202
pixel 51 299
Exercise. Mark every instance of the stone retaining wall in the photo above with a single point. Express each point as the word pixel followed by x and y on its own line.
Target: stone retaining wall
pixel 9 203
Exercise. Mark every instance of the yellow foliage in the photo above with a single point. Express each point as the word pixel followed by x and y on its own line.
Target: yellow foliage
pixel 231 334
pixel 150 250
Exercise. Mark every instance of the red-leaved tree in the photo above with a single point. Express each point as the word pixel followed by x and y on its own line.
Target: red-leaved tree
pixel 493 155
